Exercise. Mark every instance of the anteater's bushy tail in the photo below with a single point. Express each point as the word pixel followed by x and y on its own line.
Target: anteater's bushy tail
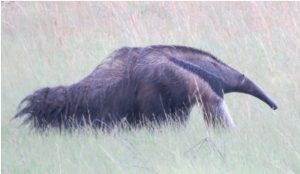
pixel 47 107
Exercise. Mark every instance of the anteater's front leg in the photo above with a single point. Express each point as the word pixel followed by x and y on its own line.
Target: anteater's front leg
pixel 216 112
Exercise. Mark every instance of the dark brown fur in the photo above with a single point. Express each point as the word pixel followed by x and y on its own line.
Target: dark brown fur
pixel 135 85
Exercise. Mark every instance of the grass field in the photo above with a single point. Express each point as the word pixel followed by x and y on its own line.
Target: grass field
pixel 59 43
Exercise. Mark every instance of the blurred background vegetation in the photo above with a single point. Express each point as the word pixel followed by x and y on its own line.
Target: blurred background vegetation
pixel 59 43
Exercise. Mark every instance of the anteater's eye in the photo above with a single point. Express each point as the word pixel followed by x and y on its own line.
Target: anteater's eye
pixel 214 63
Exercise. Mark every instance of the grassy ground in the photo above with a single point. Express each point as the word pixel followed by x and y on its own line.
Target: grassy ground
pixel 53 43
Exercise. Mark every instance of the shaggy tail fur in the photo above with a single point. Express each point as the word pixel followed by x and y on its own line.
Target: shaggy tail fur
pixel 48 107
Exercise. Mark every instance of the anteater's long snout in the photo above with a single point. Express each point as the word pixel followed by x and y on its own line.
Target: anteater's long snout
pixel 249 87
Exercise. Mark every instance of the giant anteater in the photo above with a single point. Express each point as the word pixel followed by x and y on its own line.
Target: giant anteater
pixel 140 86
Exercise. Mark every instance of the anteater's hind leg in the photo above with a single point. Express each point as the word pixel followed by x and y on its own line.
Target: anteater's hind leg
pixel 216 112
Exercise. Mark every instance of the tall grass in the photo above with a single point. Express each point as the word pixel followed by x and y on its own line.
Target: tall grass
pixel 59 43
